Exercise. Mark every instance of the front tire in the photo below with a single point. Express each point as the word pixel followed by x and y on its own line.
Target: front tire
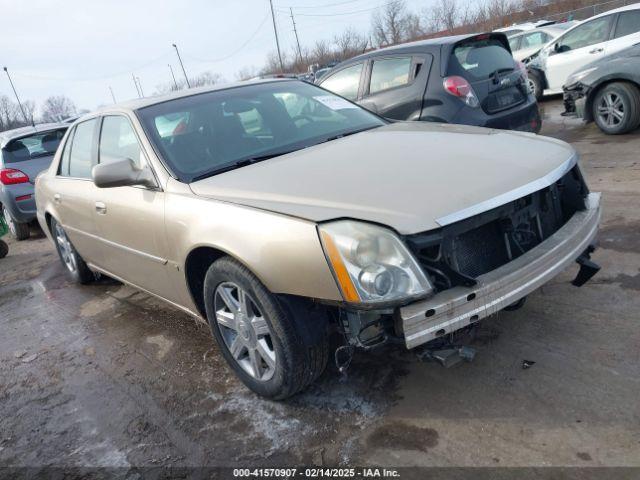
pixel 20 231
pixel 616 108
pixel 535 85
pixel 274 351
pixel 75 266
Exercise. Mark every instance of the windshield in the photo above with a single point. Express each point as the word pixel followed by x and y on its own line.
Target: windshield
pixel 211 132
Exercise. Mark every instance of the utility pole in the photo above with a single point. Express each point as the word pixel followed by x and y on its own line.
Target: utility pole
pixel 173 76
pixel 112 95
pixel 275 30
pixel 136 84
pixel 18 99
pixel 182 65
pixel 296 32
pixel 140 85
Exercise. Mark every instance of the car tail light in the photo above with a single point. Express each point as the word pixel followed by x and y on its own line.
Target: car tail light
pixel 11 176
pixel 459 87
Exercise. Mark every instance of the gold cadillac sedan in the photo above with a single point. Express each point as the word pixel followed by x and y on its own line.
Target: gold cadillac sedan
pixel 281 214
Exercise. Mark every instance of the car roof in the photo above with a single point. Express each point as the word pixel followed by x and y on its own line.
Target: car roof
pixel 139 103
pixel 8 135
pixel 547 29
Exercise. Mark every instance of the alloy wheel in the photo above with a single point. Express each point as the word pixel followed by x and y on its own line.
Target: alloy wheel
pixel 245 331
pixel 66 249
pixel 611 109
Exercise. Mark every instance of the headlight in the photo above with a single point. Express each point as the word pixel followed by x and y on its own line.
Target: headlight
pixel 576 77
pixel 371 264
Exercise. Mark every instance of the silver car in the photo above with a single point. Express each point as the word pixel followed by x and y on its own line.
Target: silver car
pixel 24 153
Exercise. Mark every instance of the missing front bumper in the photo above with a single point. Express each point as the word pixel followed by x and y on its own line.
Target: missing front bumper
pixel 458 307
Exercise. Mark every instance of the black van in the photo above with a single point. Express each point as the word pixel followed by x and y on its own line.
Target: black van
pixel 468 79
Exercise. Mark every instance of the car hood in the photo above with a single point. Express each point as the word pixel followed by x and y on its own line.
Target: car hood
pixel 411 176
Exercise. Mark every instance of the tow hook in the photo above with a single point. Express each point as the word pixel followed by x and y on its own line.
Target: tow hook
pixel 588 268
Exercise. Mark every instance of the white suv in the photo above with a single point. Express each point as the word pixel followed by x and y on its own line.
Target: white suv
pixel 592 39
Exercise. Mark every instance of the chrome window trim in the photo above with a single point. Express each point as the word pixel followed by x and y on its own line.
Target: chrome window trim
pixel 526 189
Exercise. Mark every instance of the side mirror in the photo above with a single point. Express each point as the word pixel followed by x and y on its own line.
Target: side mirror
pixel 122 173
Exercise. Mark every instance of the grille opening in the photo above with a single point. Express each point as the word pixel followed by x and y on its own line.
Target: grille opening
pixel 457 254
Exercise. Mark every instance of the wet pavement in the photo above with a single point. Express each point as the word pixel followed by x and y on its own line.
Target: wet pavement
pixel 104 375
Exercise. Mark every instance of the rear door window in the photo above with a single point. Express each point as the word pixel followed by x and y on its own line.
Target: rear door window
pixel 479 59
pixel 35 146
pixel 628 23
pixel 390 73
pixel 81 154
pixel 345 82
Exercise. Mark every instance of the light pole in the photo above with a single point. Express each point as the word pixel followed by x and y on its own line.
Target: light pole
pixel 182 65
pixel 112 95
pixel 140 84
pixel 136 85
pixel 173 76
pixel 18 99
pixel 275 30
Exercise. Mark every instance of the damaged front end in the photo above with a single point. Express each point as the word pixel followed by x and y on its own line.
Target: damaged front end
pixel 574 99
pixel 487 262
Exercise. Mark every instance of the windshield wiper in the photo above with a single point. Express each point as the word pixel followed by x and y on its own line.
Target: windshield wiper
pixel 346 134
pixel 241 163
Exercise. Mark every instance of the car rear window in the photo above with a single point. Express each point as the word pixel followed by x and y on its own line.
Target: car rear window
pixel 479 59
pixel 34 146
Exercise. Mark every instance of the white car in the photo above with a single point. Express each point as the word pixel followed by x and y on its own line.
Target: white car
pixel 591 40
pixel 525 44
pixel 522 27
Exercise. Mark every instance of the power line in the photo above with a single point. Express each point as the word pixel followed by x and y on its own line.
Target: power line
pixel 241 47
pixel 320 6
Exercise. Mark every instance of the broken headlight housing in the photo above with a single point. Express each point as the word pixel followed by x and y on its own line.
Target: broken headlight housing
pixel 371 264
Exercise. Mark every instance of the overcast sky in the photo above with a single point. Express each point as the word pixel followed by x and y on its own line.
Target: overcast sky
pixel 79 47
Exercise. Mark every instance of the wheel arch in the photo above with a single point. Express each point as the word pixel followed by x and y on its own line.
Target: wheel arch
pixel 196 265
pixel 588 108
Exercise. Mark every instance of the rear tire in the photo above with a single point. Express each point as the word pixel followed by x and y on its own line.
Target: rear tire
pixel 20 231
pixel 616 108
pixel 74 265
pixel 276 347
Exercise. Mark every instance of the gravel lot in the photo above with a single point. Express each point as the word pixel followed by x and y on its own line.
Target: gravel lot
pixel 104 375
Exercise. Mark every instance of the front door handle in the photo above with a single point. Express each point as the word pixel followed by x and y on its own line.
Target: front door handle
pixel 57 199
pixel 596 50
pixel 101 208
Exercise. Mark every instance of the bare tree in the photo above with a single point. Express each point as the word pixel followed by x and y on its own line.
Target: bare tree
pixel 350 43
pixel 444 16
pixel 389 26
pixel 204 78
pixel 245 73
pixel 56 108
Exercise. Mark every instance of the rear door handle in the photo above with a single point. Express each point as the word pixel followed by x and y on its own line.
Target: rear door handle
pixel 596 50
pixel 57 199
pixel 101 208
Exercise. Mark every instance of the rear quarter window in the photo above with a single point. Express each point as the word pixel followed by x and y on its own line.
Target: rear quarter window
pixel 479 59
